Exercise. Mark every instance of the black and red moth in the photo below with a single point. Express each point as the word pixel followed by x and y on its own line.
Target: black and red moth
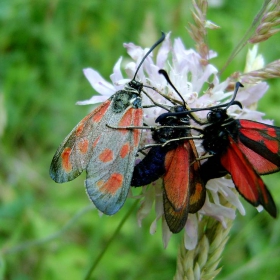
pixel 106 154
pixel 245 149
pixel 183 188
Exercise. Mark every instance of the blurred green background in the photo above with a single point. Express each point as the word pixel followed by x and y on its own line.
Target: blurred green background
pixel 47 230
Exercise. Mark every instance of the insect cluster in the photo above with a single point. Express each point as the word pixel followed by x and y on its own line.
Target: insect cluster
pixel 106 143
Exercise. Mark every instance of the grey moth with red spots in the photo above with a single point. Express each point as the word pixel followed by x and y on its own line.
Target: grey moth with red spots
pixel 106 154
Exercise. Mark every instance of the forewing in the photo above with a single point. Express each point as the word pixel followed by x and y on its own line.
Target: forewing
pixel 74 153
pixel 184 190
pixel 176 178
pixel 263 139
pixel 261 164
pixel 110 168
pixel 246 180
pixel 176 188
pixel 175 220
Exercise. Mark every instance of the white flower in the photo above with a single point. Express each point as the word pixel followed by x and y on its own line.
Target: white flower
pixel 190 78
pixel 101 85
pixel 253 60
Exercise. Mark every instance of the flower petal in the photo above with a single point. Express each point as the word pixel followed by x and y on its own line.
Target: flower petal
pixel 164 51
pixel 98 83
pixel 191 232
pixel 117 75
pixel 93 100
pixel 134 51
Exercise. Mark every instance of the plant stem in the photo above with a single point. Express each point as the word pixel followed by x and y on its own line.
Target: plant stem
pixel 99 257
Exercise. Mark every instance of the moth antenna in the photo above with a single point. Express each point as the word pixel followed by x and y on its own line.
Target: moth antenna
pixel 232 102
pixel 164 73
pixel 150 50
pixel 226 105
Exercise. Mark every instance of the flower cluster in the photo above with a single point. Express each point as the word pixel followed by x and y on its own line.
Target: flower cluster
pixel 200 87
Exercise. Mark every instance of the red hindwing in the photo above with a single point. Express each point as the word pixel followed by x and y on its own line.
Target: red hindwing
pixel 264 140
pixel 261 164
pixel 246 179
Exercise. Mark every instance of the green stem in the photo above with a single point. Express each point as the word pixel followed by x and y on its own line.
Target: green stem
pixel 99 257
pixel 39 242
pixel 245 38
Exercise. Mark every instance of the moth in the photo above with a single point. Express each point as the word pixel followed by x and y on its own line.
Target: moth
pixel 245 149
pixel 173 157
pixel 106 154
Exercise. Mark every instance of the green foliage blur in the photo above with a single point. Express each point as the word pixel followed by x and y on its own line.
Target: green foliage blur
pixel 50 231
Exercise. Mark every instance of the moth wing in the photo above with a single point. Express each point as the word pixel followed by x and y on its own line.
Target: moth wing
pixel 175 220
pixel 74 153
pixel 247 181
pixel 184 191
pixel 264 140
pixel 110 168
pixel 196 185
pixel 150 168
pixel 176 177
pixel 176 188
pixel 261 164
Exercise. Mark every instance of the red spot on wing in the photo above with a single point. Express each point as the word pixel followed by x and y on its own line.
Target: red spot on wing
pixel 65 156
pixel 126 120
pixel 95 142
pixel 80 128
pixel 247 124
pixel 137 121
pixel 112 185
pixel 83 146
pixel 99 183
pixel 136 137
pixel 100 111
pixel 81 125
pixel 252 134
pixel 106 155
pixel 271 132
pixel 271 145
pixel 261 133
pixel 176 178
pixel 124 150
pixel 132 117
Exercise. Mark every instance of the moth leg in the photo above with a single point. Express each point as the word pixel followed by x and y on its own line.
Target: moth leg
pixel 184 138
